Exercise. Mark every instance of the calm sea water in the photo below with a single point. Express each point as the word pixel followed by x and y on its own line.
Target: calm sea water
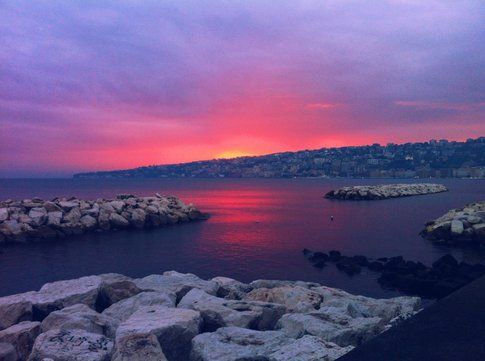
pixel 257 230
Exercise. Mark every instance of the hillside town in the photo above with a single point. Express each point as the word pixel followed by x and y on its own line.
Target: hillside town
pixel 433 159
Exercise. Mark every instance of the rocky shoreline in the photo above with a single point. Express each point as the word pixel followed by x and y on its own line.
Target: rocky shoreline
pixel 459 226
pixel 34 219
pixel 385 191
pixel 179 317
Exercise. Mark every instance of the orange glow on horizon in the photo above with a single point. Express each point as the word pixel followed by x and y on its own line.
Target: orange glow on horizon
pixel 233 154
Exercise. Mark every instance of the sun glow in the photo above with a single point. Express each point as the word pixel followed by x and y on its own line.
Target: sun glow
pixel 232 154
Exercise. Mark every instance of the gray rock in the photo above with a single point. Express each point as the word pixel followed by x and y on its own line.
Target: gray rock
pixel 38 215
pixel 218 312
pixel 309 348
pixel 143 347
pixel 103 220
pixel 118 221
pixel 383 191
pixel 73 216
pixel 122 310
pixel 479 230
pixel 175 282
pixel 57 295
pixel 107 207
pixel 88 221
pixel 54 218
pixel 3 214
pixel 279 283
pixel 138 217
pixel 51 207
pixel 71 345
pixel 15 309
pixel 68 205
pixel 173 327
pixel 386 309
pixel 10 228
pixel 333 325
pixel 235 344
pixel 117 205
pixel 80 317
pixel 294 298
pixel 22 337
pixel 115 287
pixel 230 288
pixel 7 352
pixel 456 227
pixel 94 211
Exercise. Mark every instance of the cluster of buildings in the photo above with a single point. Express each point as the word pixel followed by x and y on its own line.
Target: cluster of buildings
pixel 436 159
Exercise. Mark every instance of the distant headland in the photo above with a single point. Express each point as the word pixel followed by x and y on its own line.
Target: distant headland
pixel 436 159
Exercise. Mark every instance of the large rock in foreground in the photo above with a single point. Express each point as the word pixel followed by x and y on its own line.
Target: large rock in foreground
pixel 111 317
pixel 459 226
pixel 384 191
pixel 234 343
pixel 71 345
pixel 33 219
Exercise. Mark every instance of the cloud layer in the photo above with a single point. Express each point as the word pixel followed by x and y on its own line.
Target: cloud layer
pixel 88 85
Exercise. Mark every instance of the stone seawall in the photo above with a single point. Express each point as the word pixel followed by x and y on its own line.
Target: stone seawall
pixel 32 219
pixel 180 317
pixel 385 191
pixel 459 226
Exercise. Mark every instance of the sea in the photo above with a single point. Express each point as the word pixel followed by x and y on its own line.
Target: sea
pixel 257 230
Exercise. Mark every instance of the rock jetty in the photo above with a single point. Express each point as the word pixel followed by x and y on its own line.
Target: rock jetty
pixel 180 317
pixel 445 275
pixel 459 226
pixel 384 191
pixel 32 219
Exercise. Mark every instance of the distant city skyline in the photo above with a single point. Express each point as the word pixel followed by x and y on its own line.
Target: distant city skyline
pixel 88 86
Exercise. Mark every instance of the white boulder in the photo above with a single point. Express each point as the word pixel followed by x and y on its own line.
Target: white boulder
pixel 173 327
pixel 71 345
pixel 123 309
pixel 218 312
pixel 235 343
pixel 22 337
pixel 80 317
pixel 175 282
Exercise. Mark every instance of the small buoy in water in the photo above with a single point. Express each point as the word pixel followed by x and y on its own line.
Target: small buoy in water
pixel 331 218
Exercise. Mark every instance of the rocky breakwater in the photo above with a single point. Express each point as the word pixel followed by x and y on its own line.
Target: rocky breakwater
pixel 35 218
pixel 459 226
pixel 384 191
pixel 445 275
pixel 179 317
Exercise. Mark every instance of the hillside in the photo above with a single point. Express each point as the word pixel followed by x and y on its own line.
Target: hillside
pixel 411 160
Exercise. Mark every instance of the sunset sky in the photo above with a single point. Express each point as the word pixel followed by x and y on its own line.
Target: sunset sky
pixel 98 85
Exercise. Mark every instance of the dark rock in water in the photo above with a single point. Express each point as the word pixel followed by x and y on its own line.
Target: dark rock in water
pixel 445 276
pixel 320 264
pixel 334 255
pixel 375 266
pixel 319 257
pixel 360 260
pixel 348 267
pixel 306 252
pixel 447 261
